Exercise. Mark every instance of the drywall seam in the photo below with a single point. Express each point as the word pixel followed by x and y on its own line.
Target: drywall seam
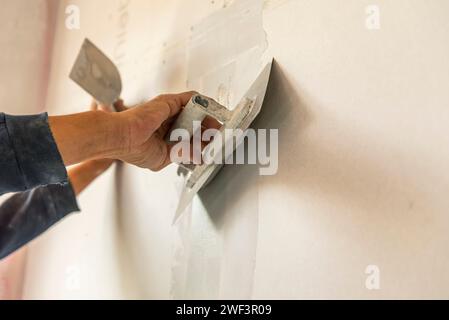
pixel 222 37
pixel 224 56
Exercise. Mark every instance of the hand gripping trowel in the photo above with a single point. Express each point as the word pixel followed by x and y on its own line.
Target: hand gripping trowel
pixel 199 106
pixel 97 74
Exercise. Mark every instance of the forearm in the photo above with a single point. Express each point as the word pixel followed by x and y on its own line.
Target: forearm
pixel 87 135
pixel 82 175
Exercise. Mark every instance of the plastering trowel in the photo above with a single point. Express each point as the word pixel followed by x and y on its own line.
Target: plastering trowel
pixel 199 106
pixel 97 74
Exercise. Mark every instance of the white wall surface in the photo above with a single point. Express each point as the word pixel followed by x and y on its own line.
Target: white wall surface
pixel 26 39
pixel 363 158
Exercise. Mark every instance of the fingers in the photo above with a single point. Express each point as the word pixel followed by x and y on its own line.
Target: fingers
pixel 158 156
pixel 166 160
pixel 93 105
pixel 208 123
pixel 211 123
pixel 120 106
pixel 155 112
pixel 175 102
pixel 149 123
pixel 165 126
pixel 180 99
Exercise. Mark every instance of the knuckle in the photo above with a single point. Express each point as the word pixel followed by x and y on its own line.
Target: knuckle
pixel 162 97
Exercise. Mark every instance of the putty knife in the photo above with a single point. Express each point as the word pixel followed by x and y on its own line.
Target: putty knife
pixel 97 74
pixel 196 176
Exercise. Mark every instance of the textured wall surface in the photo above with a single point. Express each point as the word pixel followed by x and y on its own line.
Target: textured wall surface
pixel 363 172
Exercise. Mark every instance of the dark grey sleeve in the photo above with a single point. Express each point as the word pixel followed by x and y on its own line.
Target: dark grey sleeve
pixel 26 215
pixel 31 164
pixel 29 156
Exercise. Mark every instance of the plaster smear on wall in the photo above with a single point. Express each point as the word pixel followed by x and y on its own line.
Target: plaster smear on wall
pixel 363 158
pixel 215 257
pixel 225 51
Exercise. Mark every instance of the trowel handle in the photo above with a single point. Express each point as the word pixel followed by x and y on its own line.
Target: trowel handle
pixel 197 109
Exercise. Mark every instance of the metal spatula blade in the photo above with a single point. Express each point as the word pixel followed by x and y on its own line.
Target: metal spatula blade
pixel 97 74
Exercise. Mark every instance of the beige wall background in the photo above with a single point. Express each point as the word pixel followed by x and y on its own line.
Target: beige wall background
pixel 26 39
pixel 363 158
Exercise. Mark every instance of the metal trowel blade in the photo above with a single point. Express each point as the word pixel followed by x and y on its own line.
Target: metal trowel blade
pixel 256 93
pixel 188 194
pixel 97 74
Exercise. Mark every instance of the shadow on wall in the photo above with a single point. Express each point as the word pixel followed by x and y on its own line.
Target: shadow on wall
pixel 281 105
pixel 131 288
pixel 326 164
pixel 353 187
pixel 344 166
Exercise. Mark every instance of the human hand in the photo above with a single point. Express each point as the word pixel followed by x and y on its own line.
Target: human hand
pixel 134 135
pixel 144 128
pixel 118 106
